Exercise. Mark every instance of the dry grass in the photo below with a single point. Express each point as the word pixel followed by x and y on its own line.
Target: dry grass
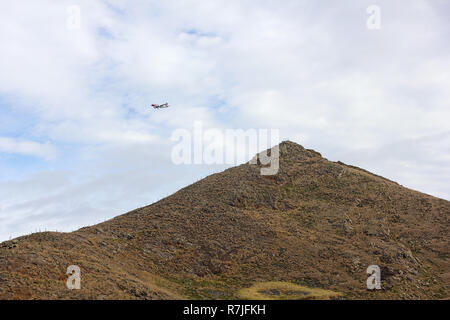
pixel 276 290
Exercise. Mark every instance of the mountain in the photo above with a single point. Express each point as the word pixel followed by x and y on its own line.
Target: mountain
pixel 308 232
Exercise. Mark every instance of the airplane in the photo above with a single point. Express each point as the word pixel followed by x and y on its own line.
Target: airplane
pixel 159 106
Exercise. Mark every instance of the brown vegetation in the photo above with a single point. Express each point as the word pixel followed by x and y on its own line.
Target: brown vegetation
pixel 316 225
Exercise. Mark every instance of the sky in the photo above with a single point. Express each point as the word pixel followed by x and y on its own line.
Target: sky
pixel 80 145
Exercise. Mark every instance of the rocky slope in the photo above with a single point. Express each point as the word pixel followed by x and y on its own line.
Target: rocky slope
pixel 316 225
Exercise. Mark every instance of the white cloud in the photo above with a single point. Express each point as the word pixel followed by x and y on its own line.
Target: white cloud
pixel 28 148
pixel 311 69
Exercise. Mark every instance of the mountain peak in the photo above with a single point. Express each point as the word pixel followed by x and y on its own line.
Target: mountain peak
pixel 290 149
pixel 288 152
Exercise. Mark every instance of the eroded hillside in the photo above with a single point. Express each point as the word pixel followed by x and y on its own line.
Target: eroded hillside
pixel 315 225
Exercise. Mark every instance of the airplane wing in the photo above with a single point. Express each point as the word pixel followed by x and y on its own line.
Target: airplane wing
pixel 158 106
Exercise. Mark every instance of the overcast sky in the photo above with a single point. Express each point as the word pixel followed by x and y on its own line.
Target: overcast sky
pixel 78 143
